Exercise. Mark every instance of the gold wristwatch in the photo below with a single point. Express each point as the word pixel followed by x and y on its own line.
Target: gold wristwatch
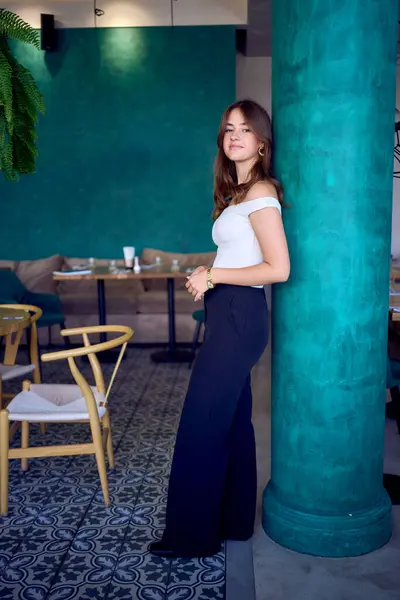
pixel 210 283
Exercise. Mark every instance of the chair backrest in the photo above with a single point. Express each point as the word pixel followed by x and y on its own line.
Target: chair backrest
pixel 91 350
pixel 11 288
pixel 13 340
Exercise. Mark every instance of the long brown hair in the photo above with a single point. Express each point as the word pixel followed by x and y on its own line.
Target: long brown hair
pixel 225 179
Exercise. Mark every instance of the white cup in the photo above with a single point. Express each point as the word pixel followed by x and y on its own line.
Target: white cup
pixel 129 255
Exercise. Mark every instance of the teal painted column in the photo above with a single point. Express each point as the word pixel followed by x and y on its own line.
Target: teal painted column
pixel 333 88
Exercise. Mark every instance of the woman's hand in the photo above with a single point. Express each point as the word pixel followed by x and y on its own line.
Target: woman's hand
pixel 199 270
pixel 197 283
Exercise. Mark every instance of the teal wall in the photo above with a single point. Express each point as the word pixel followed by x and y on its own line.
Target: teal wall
pixel 127 144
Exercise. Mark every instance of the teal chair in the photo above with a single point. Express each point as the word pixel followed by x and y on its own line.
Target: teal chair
pixel 199 316
pixel 12 290
pixel 392 384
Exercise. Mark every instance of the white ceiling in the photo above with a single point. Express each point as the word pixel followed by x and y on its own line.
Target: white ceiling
pixel 258 30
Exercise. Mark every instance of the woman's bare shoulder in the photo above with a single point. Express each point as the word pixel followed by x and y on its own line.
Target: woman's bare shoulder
pixel 261 189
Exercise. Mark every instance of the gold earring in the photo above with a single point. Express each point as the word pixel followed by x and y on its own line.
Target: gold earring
pixel 261 152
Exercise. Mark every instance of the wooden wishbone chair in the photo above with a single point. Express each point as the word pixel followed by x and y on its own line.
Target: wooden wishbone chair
pixel 64 403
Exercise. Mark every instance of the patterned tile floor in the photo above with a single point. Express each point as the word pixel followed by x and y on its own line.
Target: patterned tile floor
pixel 60 542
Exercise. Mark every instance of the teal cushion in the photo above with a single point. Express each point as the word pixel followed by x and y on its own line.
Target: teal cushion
pixel 11 288
pixel 13 291
pixel 49 303
pixel 48 319
pixel 199 315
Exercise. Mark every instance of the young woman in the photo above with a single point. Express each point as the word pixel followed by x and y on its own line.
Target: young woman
pixel 212 489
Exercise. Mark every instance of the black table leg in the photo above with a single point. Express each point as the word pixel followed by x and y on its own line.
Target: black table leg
pixel 172 354
pixel 107 355
pixel 171 316
pixel 101 302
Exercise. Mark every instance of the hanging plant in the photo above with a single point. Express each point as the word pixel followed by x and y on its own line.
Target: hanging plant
pixel 20 101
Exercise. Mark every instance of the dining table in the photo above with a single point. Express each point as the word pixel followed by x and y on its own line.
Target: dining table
pixel 101 274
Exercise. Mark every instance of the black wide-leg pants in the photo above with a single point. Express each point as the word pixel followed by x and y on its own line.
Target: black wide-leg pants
pixel 213 481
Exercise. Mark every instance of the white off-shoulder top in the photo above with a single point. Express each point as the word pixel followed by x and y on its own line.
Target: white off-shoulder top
pixel 234 235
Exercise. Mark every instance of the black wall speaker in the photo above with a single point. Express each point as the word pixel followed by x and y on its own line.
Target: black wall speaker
pixel 48 33
pixel 241 40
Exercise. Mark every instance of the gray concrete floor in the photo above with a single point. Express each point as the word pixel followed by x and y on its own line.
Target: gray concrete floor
pixel 281 574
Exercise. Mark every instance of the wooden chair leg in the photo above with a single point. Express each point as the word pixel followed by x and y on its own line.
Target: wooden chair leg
pixel 100 459
pixel 195 342
pixel 24 443
pixel 395 395
pixel 36 374
pixel 37 379
pixel 4 448
pixel 34 352
pixel 110 451
pixel 28 342
pixel 26 386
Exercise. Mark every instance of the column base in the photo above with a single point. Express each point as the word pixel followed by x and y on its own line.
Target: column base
pixel 324 535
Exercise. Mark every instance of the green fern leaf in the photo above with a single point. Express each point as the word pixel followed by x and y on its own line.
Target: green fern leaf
pixel 24 103
pixel 7 163
pixel 2 128
pixel 23 128
pixel 15 28
pixel 23 159
pixel 20 101
pixel 21 139
pixel 6 93
pixel 30 87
